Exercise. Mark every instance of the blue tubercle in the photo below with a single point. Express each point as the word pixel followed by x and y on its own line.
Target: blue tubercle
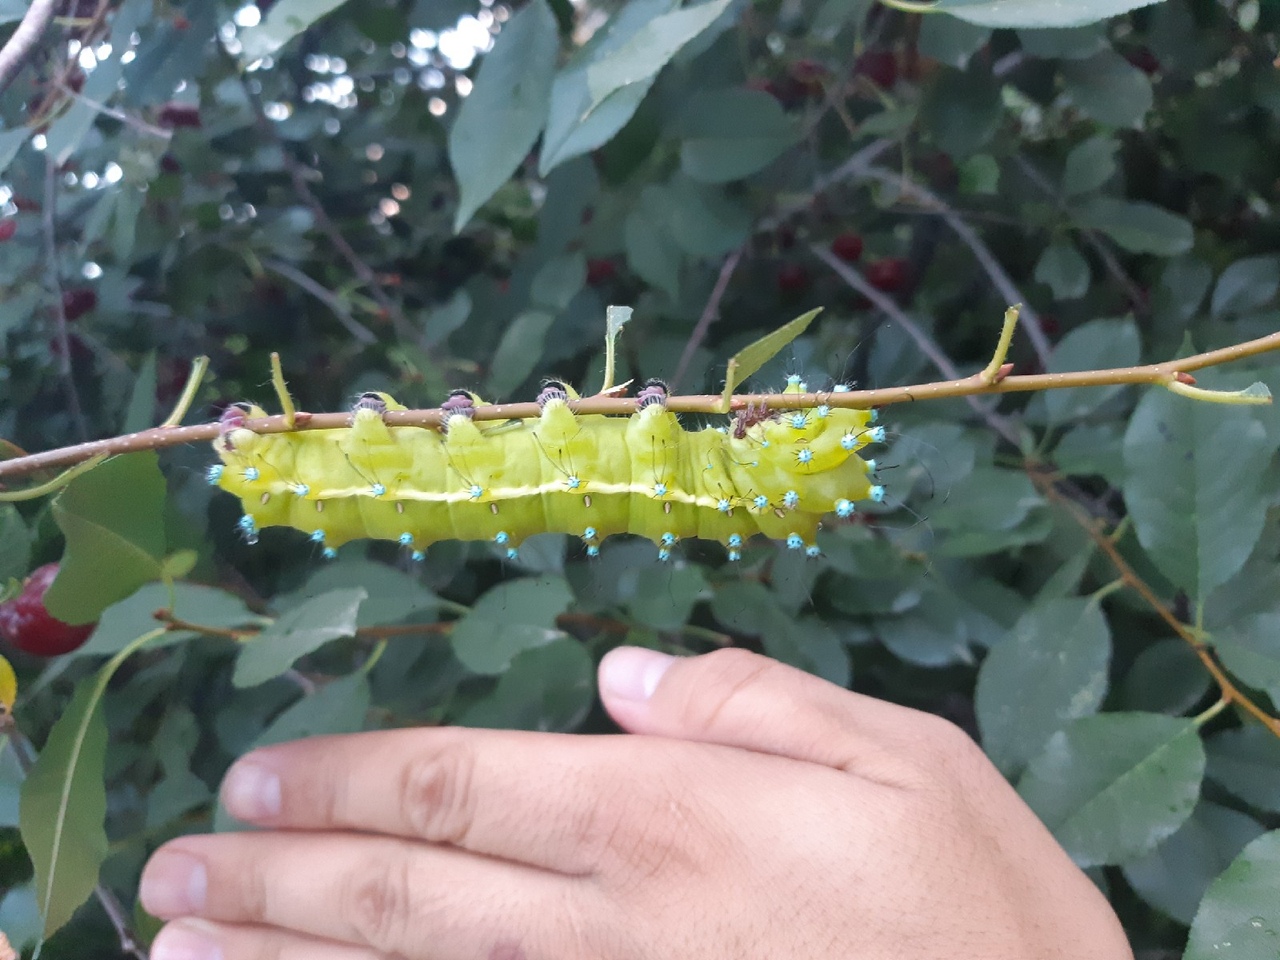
pixel 301 489
pixel 822 410
pixel 877 435
pixel 849 442
pixel 248 525
pixel 513 553
pixel 475 491
pixel 593 551
pixel 735 539
pixel 875 415
pixel 844 508
pixel 877 493
pixel 377 490
pixel 668 540
pixel 589 533
pixel 760 501
pixel 723 505
pixel 791 499
pixel 664 554
pixel 328 553
pixel 251 473
pixel 805 455
pixel 417 556
pixel 214 473
pixel 793 380
pixel 573 483
pixel 501 536
pixel 798 420
pixel 659 489
pixel 794 541
pixel 317 536
pixel 812 551
pixel 406 539
pixel 735 554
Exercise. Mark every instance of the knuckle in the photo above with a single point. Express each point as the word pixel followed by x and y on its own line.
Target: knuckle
pixel 728 676
pixel 437 798
pixel 378 902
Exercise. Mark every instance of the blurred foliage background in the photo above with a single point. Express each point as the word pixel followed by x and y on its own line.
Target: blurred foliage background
pixel 419 195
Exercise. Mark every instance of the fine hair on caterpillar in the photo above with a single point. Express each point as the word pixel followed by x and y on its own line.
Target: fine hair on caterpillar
pixel 775 473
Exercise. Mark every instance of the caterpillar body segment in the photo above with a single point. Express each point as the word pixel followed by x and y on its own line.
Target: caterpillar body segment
pixel 589 476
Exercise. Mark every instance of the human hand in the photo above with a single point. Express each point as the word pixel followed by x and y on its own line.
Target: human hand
pixel 755 812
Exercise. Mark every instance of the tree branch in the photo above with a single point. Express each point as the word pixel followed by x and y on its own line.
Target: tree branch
pixel 710 313
pixel 1158 374
pixel 22 44
pixel 52 269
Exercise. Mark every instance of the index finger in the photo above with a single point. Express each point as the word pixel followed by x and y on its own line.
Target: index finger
pixel 547 800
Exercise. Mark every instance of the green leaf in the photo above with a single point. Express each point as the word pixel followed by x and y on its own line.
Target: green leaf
pixel 11 142
pixel 518 352
pixel 393 595
pixel 1137 226
pixel 730 134
pixel 298 632
pixel 1108 88
pixel 1112 786
pixel 755 355
pixel 113 519
pixel 284 21
pixel 1251 650
pixel 1175 876
pixel 448 317
pixel 546 688
pixel 652 251
pixel 142 401
pixel 1062 268
pixel 980 174
pixel 1247 762
pixel 1068 43
pixel 1051 669
pixel 1239 918
pixel 500 120
pixel 951 41
pixel 1036 13
pixel 514 616
pixel 615 318
pixel 1246 285
pixel 1092 345
pixel 15 545
pixel 662 596
pixel 574 126
pixel 122 622
pixel 11 777
pixel 649 49
pixel 961 109
pixel 1167 677
pixel 1194 475
pixel 20 916
pixel 64 808
pixel 558 281
pixel 1090 164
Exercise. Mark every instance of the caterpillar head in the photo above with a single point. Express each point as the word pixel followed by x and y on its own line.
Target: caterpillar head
pixel 232 437
pixel 653 392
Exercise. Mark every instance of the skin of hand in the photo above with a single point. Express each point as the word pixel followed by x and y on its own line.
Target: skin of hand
pixel 752 811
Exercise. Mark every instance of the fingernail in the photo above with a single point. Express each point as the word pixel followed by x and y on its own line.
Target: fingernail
pixel 633 673
pixel 188 940
pixel 173 884
pixel 251 792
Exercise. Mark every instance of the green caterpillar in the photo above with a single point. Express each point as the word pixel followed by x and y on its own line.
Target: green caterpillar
pixel 591 476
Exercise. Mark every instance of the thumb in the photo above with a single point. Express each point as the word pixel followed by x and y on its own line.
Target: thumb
pixel 740 699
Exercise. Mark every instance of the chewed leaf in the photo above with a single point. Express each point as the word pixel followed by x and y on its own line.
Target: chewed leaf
pixel 8 686
pixel 755 355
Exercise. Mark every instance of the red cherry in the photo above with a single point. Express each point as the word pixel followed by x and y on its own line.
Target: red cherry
pixel 1049 325
pixel 600 270
pixel 181 23
pixel 848 247
pixel 78 301
pixel 173 115
pixel 26 205
pixel 169 163
pixel 793 278
pixel 8 227
pixel 26 624
pixel 888 274
pixel 878 66
pixel 1144 60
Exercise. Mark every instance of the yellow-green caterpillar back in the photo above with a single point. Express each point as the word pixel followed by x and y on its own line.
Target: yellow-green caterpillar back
pixel 590 476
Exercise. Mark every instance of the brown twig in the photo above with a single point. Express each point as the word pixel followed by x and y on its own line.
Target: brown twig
pixel 52 268
pixel 710 313
pixel 298 177
pixel 22 44
pixel 1160 374
pixel 1131 579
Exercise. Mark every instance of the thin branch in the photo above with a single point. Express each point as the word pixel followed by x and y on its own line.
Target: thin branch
pixel 1158 374
pixel 22 44
pixel 61 337
pixel 710 313
pixel 325 296
pixel 1131 579
pixel 298 177
pixel 999 278
pixel 129 943
pixel 930 349
pixel 127 119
